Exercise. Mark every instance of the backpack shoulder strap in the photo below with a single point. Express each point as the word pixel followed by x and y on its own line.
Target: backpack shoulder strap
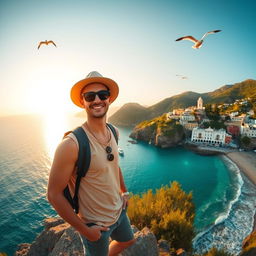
pixel 112 128
pixel 82 164
pixel 84 154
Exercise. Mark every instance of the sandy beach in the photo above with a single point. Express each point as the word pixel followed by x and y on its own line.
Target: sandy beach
pixel 246 162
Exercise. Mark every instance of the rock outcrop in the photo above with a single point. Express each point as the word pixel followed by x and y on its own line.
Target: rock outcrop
pixel 249 244
pixel 59 239
pixel 147 134
pixel 157 137
pixel 146 244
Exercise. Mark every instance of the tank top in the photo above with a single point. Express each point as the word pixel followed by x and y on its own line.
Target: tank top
pixel 100 200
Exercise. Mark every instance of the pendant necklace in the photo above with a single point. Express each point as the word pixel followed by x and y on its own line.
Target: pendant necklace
pixel 107 148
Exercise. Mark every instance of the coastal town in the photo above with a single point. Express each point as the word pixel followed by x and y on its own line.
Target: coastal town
pixel 230 125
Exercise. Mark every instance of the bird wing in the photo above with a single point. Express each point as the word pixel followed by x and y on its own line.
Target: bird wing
pixel 190 38
pixel 40 44
pixel 210 32
pixel 51 42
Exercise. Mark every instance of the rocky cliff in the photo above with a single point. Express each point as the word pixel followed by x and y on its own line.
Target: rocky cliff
pixel 60 239
pixel 159 132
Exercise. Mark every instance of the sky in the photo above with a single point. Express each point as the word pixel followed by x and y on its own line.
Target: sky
pixel 132 42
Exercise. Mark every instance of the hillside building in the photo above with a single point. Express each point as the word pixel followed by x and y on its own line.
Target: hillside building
pixel 170 116
pixel 178 111
pixel 248 130
pixel 200 103
pixel 233 129
pixel 187 117
pixel 190 125
pixel 210 136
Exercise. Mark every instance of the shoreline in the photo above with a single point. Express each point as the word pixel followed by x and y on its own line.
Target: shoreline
pixel 246 162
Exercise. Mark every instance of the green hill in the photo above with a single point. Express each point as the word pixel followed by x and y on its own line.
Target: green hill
pixel 230 93
pixel 132 113
pixel 182 100
pixel 129 115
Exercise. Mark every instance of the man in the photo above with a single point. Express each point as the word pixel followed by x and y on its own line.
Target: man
pixel 102 193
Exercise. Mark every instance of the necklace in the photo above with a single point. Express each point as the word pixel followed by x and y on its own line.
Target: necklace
pixel 107 148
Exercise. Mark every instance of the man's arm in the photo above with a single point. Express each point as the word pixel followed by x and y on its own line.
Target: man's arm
pixel 60 174
pixel 122 184
pixel 123 188
pixel 125 193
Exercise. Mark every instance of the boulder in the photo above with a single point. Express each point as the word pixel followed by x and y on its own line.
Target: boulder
pixel 145 245
pixel 58 238
pixel 22 249
pixel 70 243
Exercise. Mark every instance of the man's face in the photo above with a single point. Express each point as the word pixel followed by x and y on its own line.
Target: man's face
pixel 96 108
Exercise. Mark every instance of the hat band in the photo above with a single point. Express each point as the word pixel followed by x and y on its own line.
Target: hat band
pixel 94 83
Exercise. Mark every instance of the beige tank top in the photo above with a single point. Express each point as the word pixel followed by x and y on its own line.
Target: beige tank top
pixel 100 200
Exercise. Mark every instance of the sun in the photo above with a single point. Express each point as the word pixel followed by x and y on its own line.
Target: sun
pixel 48 96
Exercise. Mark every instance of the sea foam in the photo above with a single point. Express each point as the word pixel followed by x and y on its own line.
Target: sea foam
pixel 233 225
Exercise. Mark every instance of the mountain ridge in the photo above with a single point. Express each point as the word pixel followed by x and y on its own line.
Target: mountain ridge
pixel 131 114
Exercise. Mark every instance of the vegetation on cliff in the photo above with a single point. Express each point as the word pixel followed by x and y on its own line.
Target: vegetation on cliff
pixel 159 131
pixel 213 113
pixel 169 213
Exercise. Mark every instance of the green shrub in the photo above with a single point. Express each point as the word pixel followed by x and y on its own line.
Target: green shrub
pixel 169 213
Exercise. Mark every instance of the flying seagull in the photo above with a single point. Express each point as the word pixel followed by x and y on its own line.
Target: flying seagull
pixel 46 42
pixel 197 43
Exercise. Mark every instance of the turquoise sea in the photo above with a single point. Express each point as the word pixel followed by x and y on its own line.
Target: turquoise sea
pixel 225 200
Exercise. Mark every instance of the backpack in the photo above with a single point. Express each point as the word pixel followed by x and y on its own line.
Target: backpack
pixel 82 163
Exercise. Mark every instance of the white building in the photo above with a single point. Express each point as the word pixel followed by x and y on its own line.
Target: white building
pixel 200 103
pixel 209 136
pixel 237 118
pixel 248 130
pixel 205 120
pixel 233 114
pixel 251 112
pixel 169 116
pixel 187 117
pixel 190 125
pixel 178 111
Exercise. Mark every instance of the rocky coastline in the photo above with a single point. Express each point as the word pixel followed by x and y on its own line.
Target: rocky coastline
pixel 156 136
pixel 58 239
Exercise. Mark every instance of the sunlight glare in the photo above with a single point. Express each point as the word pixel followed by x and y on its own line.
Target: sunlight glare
pixel 55 125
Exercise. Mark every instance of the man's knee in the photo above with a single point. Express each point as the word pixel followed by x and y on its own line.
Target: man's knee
pixel 127 244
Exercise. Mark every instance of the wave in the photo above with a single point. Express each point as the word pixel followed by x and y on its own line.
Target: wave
pixel 233 225
pixel 234 168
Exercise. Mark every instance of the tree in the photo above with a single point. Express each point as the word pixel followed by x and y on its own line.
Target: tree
pixel 212 112
pixel 245 141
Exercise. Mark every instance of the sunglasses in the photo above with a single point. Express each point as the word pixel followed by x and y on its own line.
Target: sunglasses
pixel 90 96
pixel 110 156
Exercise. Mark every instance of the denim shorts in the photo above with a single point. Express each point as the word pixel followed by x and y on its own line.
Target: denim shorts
pixel 120 231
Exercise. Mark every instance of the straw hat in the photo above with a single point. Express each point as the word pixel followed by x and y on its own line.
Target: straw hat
pixel 93 77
